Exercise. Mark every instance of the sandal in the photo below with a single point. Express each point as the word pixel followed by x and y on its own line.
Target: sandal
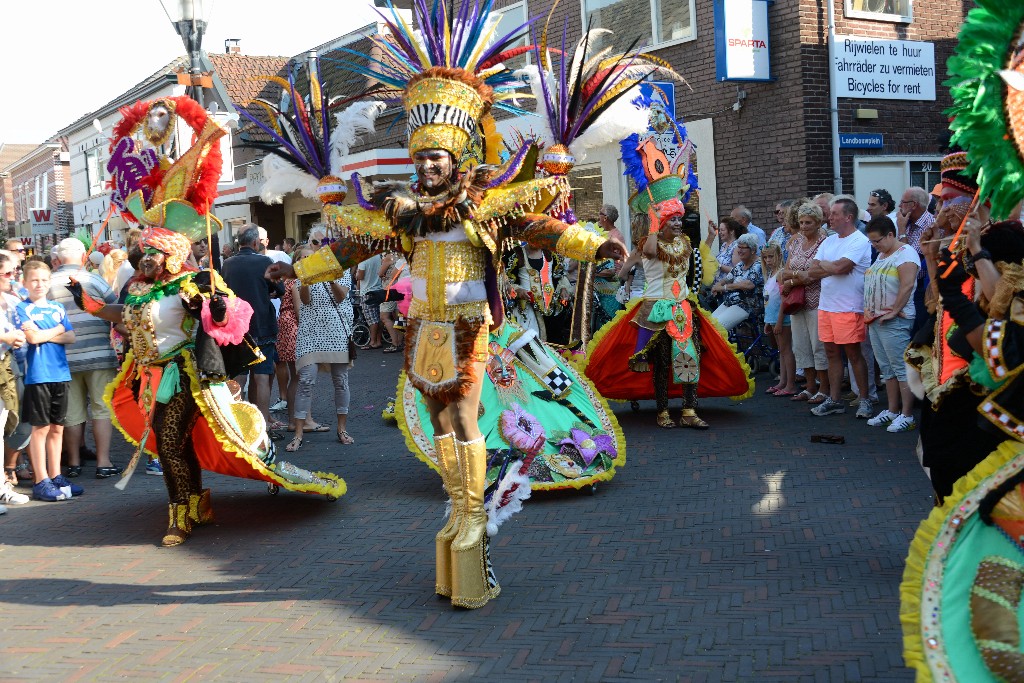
pixel 316 427
pixel 75 471
pixel 345 438
pixel 278 425
pixel 664 421
pixel 691 420
pixel 771 391
pixel 294 445
pixel 802 396
pixel 11 475
pixel 785 393
pixel 817 398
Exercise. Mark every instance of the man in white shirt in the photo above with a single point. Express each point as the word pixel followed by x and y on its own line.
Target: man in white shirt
pixel 840 264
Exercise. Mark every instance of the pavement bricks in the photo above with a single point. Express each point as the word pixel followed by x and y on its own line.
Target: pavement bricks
pixel 738 554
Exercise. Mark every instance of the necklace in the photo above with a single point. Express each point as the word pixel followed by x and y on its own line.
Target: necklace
pixel 155 291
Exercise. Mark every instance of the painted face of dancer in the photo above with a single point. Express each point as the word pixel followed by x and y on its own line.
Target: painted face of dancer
pixel 433 168
pixel 152 263
pixel 672 228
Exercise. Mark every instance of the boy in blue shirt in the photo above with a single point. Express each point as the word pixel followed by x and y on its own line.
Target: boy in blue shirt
pixel 45 402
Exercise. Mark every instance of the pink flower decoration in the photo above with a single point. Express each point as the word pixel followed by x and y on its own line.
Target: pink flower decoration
pixel 588 446
pixel 521 430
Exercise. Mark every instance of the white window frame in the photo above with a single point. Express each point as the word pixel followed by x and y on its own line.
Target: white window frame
pixel 654 14
pixel 879 16
pixel 521 4
pixel 90 182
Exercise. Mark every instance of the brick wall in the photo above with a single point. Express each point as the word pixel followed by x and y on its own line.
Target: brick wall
pixel 58 182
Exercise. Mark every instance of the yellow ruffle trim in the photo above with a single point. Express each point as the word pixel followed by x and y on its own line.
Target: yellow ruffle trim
pixel 352 219
pixel 620 444
pixel 108 399
pixel 336 489
pixel 921 549
pixel 630 306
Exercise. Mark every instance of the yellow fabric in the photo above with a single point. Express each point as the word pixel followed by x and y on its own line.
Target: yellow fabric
pixel 578 243
pixel 355 220
pixel 516 198
pixel 433 357
pixel 320 266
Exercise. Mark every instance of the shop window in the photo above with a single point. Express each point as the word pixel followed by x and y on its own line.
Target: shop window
pixel 645 24
pixel 900 11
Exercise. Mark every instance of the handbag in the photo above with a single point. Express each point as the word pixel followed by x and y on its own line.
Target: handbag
pixel 379 296
pixel 795 300
pixel 352 347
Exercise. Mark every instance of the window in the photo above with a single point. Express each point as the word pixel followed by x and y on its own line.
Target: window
pixel 900 11
pixel 511 17
pixel 643 23
pixel 94 170
pixel 587 192
pixel 925 174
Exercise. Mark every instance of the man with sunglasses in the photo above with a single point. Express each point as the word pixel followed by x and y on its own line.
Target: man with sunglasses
pixel 881 203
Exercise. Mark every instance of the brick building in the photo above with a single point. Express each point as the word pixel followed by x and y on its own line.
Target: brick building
pixel 759 142
pixel 9 153
pixel 41 181
pixel 235 78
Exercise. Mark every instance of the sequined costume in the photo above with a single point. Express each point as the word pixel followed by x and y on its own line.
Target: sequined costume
pixel 538 295
pixel 453 225
pixel 664 345
pixel 188 331
pixel 535 407
pixel 960 599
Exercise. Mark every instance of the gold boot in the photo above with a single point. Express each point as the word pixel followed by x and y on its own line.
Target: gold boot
pixel 473 581
pixel 200 511
pixel 448 463
pixel 180 525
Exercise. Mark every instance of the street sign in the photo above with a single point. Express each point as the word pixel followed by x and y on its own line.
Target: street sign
pixel 860 140
pixel 42 222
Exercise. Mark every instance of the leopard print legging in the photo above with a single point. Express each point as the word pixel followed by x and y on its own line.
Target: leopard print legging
pixel 172 424
pixel 660 357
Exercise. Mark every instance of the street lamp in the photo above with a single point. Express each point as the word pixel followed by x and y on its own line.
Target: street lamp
pixel 189 18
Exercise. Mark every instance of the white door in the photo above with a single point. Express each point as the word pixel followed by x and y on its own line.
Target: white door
pixel 871 174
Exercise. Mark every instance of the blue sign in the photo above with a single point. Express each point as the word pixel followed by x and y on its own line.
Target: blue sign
pixel 661 93
pixel 860 140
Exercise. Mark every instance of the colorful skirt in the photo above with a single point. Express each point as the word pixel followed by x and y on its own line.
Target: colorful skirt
pixel 723 370
pixel 229 437
pixel 960 599
pixel 536 411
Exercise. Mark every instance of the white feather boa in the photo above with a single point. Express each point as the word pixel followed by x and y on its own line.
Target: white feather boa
pixel 620 120
pixel 350 124
pixel 496 515
pixel 281 177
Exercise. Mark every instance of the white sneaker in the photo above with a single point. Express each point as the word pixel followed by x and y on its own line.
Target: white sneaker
pixel 902 423
pixel 280 405
pixel 9 495
pixel 883 419
pixel 3 510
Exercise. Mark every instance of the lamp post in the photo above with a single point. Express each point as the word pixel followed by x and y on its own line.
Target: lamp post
pixel 189 18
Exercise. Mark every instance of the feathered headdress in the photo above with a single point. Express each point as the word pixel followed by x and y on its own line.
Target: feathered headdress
pixel 987 86
pixel 147 187
pixel 307 145
pixel 659 162
pixel 589 98
pixel 448 74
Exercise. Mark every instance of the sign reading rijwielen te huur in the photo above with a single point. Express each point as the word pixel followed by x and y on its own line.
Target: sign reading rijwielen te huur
pixel 883 69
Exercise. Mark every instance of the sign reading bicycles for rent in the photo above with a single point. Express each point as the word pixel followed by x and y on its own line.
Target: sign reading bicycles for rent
pixel 883 69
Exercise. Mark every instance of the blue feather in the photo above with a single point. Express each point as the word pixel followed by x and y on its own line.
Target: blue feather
pixel 632 161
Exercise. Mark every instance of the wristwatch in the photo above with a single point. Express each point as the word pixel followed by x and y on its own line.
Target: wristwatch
pixel 982 254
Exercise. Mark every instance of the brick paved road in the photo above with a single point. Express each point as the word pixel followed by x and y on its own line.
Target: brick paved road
pixel 743 553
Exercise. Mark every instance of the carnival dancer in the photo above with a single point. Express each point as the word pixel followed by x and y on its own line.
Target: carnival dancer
pixel 188 331
pixel 455 220
pixel 961 590
pixel 665 332
pixel 538 293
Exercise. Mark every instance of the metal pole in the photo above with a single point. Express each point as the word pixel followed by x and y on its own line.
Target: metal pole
pixel 833 101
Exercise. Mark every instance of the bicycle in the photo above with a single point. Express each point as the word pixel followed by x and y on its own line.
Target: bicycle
pixel 360 328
